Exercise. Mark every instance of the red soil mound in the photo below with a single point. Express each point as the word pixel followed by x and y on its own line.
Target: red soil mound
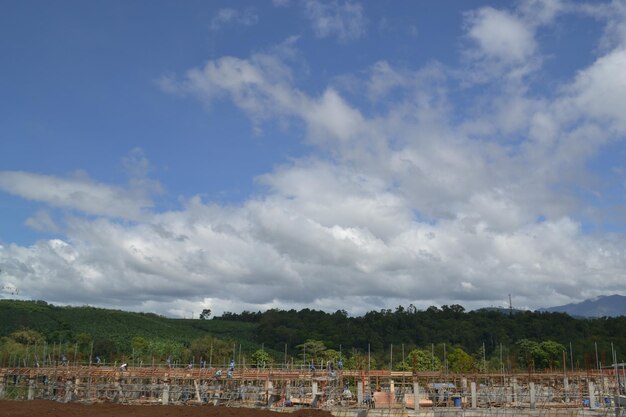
pixel 56 409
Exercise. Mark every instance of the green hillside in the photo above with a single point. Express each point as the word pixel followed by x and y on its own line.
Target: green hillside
pixel 404 338
pixel 114 333
pixel 64 323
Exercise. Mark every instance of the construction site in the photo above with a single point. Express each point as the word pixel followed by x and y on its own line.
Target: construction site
pixel 342 392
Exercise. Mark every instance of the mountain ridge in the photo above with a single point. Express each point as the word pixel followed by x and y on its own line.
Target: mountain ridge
pixel 602 306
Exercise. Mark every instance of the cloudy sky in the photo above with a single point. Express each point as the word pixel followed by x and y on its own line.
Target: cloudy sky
pixel 333 155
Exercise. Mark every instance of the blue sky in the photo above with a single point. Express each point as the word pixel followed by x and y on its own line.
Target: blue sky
pixel 335 155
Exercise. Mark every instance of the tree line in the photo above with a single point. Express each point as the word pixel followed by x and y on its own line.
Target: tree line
pixel 437 338
pixel 483 338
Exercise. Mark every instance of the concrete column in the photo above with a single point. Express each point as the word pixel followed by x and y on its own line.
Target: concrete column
pixel 165 395
pixel 531 390
pixel 68 391
pixel 2 386
pixel 416 395
pixel 359 392
pixel 197 386
pixel 31 388
pixel 566 388
pixel 592 395
pixel 51 383
pixel 314 388
pixel 474 399
pixel 76 387
pixel 269 391
pixel 392 391
pixel 120 391
pixel 464 384
pixel 514 383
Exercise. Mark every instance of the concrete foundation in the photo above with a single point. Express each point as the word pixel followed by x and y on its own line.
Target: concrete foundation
pixel 395 393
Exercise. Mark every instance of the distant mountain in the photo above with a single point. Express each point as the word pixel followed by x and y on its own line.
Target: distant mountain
pixel 606 305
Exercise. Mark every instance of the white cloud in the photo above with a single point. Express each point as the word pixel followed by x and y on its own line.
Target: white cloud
pixel 331 116
pixel 290 251
pixel 43 222
pixel 383 79
pixel 541 12
pixel 599 91
pixel 77 193
pixel 261 86
pixel 502 45
pixel 228 16
pixel 500 35
pixel 613 14
pixel 419 201
pixel 345 20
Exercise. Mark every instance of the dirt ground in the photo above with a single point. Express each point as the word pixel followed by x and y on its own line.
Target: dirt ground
pixel 55 409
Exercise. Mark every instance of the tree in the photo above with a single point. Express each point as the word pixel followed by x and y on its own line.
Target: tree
pixel 360 361
pixel 168 348
pixel 27 337
pixel 531 355
pixel 312 349
pixel 554 352
pixel 330 355
pixel 206 313
pixel 460 361
pixel 421 360
pixel 211 349
pixel 84 339
pixel 139 345
pixel 260 359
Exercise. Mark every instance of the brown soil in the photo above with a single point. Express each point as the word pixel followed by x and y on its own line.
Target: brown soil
pixel 56 409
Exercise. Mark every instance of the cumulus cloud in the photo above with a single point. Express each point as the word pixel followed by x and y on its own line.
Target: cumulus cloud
pixel 344 20
pixel 418 202
pixel 500 35
pixel 599 91
pixel 502 43
pixel 77 193
pixel 261 87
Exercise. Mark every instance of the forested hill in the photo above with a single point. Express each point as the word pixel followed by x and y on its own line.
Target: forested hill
pixel 115 333
pixel 112 332
pixel 448 324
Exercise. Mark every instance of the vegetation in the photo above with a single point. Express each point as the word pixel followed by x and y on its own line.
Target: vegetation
pixel 113 335
pixel 404 339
